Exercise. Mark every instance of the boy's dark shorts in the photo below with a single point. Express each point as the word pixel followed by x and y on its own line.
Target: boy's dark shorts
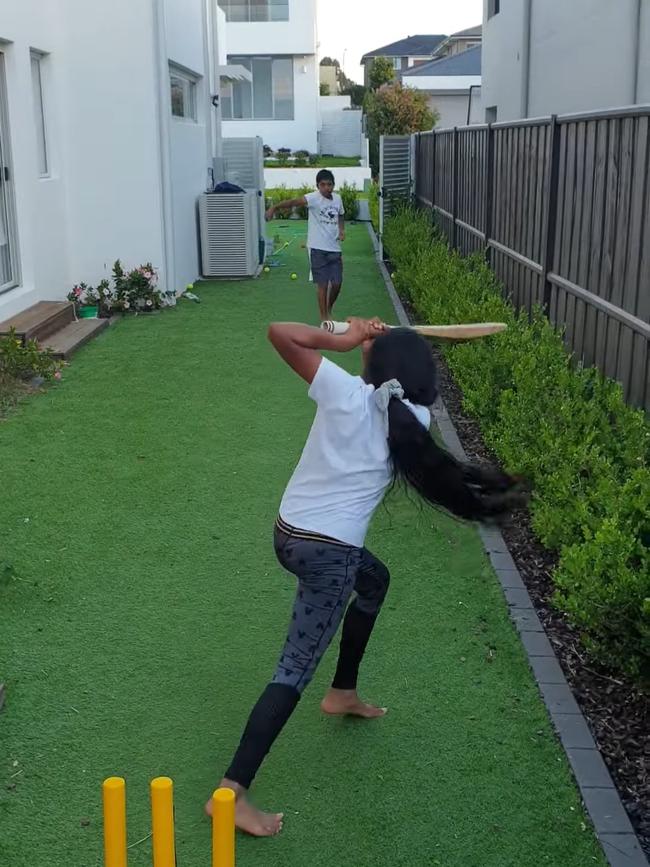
pixel 326 267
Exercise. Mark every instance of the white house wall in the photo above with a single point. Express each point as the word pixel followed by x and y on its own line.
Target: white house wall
pixel 582 56
pixel 124 175
pixel 295 36
pixel 110 135
pixel 40 203
pixel 452 108
pixel 297 134
pixel 102 199
pixel 190 141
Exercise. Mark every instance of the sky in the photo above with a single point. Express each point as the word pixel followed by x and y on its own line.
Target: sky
pixel 358 26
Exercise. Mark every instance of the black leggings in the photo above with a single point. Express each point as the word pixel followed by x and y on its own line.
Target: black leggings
pixel 328 573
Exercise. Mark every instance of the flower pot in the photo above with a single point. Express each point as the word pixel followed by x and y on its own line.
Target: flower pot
pixel 88 312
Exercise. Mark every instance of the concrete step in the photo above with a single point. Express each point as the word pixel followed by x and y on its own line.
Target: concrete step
pixel 39 321
pixel 65 342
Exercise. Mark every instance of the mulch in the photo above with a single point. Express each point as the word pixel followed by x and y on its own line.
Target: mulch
pixel 618 713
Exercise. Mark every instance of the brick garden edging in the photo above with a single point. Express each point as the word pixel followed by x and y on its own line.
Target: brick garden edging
pixel 600 796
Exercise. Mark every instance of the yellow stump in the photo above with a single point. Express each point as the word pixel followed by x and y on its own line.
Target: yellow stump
pixel 223 828
pixel 114 797
pixel 162 822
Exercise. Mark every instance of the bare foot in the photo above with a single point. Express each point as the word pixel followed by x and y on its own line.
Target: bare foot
pixel 248 818
pixel 346 702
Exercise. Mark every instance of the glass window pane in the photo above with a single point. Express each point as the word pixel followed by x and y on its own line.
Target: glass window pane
pixel 283 88
pixel 259 10
pixel 279 10
pixel 262 88
pixel 239 10
pixel 242 99
pixel 178 96
pixel 39 116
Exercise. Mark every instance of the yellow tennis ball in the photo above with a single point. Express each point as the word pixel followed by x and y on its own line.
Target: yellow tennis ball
pixel 294 276
pixel 190 286
pixel 393 275
pixel 267 269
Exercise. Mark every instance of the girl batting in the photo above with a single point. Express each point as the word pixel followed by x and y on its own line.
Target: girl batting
pixel 369 431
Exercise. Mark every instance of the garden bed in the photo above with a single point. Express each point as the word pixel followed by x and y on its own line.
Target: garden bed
pixel 617 710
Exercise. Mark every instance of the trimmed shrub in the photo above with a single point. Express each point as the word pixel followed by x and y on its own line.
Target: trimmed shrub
pixel 564 427
pixel 349 195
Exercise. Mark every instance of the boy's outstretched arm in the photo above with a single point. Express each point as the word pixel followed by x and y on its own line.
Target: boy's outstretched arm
pixel 284 206
pixel 301 345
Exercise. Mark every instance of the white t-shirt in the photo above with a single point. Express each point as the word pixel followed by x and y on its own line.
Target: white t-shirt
pixel 323 225
pixel 344 469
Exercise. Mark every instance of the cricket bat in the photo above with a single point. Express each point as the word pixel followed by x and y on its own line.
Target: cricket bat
pixel 468 331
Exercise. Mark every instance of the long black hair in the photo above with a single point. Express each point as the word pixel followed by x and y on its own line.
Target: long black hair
pixel 466 490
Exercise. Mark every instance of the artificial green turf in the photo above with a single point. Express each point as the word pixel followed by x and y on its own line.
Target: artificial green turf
pixel 136 507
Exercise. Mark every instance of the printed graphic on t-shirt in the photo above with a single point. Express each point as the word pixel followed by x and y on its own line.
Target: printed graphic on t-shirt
pixel 323 231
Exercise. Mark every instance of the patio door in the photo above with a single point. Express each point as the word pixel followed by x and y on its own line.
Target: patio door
pixel 8 246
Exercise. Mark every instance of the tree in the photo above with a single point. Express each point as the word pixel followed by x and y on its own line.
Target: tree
pixel 382 72
pixel 356 92
pixel 324 89
pixel 329 61
pixel 396 110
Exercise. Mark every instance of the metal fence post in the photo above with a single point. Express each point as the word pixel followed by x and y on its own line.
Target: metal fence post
pixel 550 217
pixel 454 208
pixel 489 194
pixel 433 177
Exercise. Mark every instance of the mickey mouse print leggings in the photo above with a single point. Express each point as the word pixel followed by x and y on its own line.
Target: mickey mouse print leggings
pixel 329 572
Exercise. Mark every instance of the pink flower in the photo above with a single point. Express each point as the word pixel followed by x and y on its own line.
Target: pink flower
pixel 57 374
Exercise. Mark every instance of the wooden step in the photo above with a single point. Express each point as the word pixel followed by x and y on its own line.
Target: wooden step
pixel 39 321
pixel 66 341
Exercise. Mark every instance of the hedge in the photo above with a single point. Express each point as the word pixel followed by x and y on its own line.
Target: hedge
pixel 564 427
pixel 349 194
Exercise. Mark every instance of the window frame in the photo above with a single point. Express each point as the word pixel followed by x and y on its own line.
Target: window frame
pixel 247 60
pixel 226 6
pixel 494 7
pixel 36 59
pixel 190 89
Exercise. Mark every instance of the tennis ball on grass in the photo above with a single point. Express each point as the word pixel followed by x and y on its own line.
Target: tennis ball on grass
pixel 267 269
pixel 294 276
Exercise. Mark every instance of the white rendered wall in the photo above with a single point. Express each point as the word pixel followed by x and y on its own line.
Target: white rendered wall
pixel 297 134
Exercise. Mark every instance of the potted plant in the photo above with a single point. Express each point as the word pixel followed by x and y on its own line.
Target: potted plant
pixel 85 300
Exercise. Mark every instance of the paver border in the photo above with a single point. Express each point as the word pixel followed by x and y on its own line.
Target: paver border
pixel 600 796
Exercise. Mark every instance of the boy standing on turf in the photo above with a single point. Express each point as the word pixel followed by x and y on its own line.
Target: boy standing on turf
pixel 326 230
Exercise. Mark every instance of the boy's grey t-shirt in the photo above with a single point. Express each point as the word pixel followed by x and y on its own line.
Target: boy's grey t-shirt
pixel 323 227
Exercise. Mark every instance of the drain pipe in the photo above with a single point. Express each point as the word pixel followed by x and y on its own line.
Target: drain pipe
pixel 525 59
pixel 469 101
pixel 164 141
pixel 636 53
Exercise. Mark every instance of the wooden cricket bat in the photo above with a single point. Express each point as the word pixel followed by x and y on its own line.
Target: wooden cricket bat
pixel 468 331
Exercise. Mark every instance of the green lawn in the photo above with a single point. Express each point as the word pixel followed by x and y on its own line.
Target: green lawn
pixel 137 505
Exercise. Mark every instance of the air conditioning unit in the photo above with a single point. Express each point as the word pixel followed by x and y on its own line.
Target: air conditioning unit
pixel 229 234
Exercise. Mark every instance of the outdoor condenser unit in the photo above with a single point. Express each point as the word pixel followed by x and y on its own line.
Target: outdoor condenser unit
pixel 229 234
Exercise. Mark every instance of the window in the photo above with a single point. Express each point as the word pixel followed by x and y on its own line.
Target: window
pixel 397 63
pixel 183 93
pixel 39 113
pixel 255 10
pixel 491 114
pixel 493 7
pixel 268 97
